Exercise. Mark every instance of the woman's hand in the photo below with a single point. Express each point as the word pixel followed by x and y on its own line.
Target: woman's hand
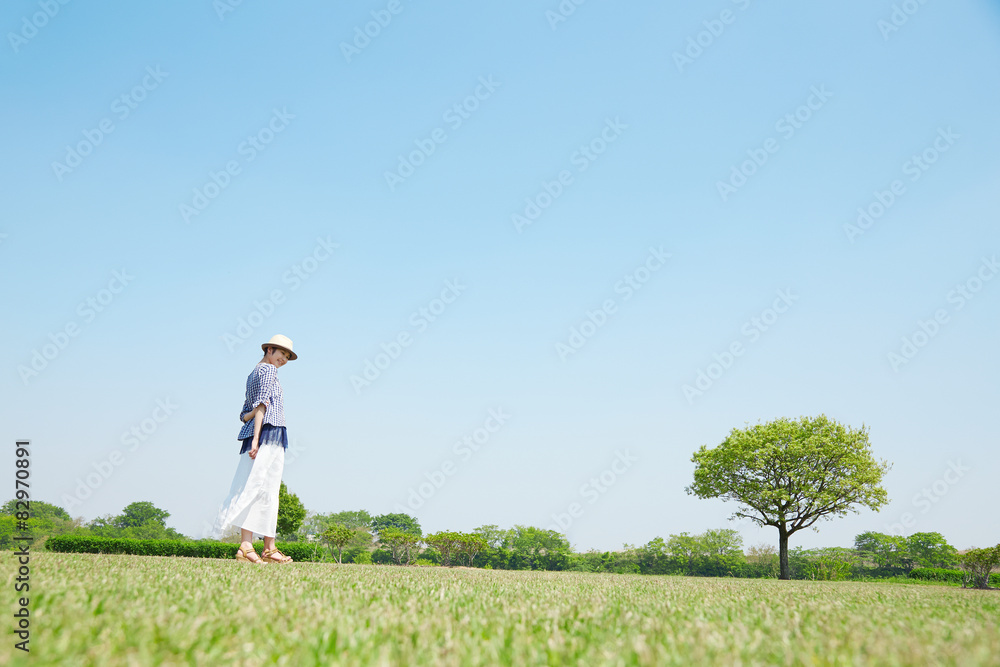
pixel 254 446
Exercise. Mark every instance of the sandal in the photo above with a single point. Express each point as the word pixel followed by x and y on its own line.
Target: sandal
pixel 275 556
pixel 243 555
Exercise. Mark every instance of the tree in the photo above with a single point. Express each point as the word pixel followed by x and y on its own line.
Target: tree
pixel 448 544
pixel 722 542
pixel 978 563
pixel 139 514
pixel 402 545
pixel 403 522
pixel 45 520
pixel 763 558
pixel 931 550
pixel 337 536
pixel 492 533
pixel 358 521
pixel 790 474
pixel 469 545
pixel 886 551
pixel 291 511
pixel 687 547
pixel 38 509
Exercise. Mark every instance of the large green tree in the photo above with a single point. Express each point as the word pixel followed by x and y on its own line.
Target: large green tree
pixel 402 522
pixel 790 474
pixel 140 514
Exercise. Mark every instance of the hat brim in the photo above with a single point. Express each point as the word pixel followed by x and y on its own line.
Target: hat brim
pixel 291 355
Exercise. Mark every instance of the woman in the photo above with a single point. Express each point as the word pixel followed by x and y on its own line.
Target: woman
pixel 253 499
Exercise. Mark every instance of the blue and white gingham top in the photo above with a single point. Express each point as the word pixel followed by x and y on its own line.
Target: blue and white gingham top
pixel 263 387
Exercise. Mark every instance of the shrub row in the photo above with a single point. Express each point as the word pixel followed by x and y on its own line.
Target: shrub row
pixel 185 548
pixel 949 576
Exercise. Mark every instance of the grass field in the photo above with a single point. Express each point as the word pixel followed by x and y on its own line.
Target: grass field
pixel 124 610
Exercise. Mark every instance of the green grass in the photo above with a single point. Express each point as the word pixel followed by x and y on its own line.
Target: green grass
pixel 125 610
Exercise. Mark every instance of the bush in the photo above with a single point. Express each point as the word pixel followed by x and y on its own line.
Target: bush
pixel 946 576
pixel 185 548
pixel 977 565
pixel 363 557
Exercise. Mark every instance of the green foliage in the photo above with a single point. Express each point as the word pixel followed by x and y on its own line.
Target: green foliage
pixel 337 536
pixel 762 562
pixel 187 548
pixel 138 521
pixel 140 514
pixel 977 565
pixel 402 522
pixel 829 564
pixel 931 550
pixel 44 520
pixel 403 546
pixel 790 474
pixel 362 557
pixel 937 574
pixel 899 554
pixel 957 577
pixel 291 512
pixel 493 534
pixel 447 543
pixel 38 509
pixel 360 521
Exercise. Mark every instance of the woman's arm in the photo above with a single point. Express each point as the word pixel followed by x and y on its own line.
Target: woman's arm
pixel 258 422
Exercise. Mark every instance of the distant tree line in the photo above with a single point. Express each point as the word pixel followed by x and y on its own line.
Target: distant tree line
pixel 359 537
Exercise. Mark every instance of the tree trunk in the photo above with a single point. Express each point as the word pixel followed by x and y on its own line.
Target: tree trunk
pixel 785 573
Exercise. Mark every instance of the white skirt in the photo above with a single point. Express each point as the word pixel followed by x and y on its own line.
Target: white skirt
pixel 253 498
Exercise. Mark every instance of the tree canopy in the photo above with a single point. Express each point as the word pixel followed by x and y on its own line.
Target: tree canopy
pixel 790 474
pixel 402 522
pixel 291 511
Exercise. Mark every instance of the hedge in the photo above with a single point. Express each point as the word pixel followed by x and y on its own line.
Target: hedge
pixel 299 551
pixel 945 575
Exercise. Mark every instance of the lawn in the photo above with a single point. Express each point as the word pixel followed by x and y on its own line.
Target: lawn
pixel 124 610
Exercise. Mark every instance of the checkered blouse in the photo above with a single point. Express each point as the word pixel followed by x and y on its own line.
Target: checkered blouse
pixel 263 387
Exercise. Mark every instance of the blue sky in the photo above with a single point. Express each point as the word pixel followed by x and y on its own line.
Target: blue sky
pixel 257 120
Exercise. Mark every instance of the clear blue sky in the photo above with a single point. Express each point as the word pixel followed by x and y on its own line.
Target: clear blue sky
pixel 618 137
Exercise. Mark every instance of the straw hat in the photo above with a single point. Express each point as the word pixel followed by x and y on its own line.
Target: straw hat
pixel 283 342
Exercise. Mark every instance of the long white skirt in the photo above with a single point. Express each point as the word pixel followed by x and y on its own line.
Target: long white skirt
pixel 253 498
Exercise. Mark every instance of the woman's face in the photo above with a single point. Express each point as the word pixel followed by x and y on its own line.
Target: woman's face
pixel 277 357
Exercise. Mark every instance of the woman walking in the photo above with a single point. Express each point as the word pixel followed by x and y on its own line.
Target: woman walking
pixel 252 504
